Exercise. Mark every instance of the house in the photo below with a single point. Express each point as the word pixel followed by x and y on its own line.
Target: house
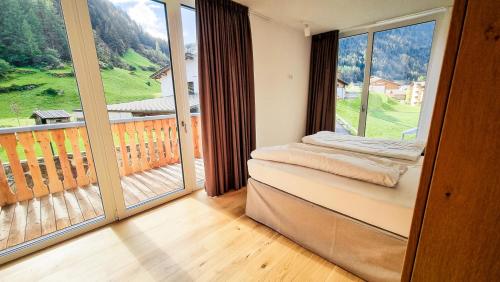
pixel 341 84
pixel 386 83
pixel 164 75
pixel 388 87
pixel 148 107
pixel 417 90
pixel 163 105
pixel 50 116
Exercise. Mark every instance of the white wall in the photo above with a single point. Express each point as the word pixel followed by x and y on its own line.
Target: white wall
pixel 192 72
pixel 281 67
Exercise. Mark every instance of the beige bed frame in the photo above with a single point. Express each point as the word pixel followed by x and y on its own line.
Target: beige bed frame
pixel 362 249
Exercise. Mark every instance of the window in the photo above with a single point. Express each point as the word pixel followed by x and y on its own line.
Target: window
pixel 384 102
pixel 48 183
pixel 53 113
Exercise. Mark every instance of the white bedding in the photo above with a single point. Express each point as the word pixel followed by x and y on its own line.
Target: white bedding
pixel 358 166
pixel 389 209
pixel 406 150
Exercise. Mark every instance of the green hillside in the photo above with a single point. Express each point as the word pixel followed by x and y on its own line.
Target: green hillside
pixel 120 86
pixel 386 118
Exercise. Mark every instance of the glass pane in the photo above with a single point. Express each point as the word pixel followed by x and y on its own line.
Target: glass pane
pixel 397 82
pixel 191 48
pixel 47 177
pixel 351 72
pixel 134 56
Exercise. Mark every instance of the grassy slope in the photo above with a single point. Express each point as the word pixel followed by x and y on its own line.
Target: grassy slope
pixel 119 86
pixel 125 86
pixel 387 118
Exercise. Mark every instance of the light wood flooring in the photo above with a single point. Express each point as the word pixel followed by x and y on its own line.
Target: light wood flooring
pixel 192 238
pixel 32 219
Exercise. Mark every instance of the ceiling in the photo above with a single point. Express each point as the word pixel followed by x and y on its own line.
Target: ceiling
pixel 325 15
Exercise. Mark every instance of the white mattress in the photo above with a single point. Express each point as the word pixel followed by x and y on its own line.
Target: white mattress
pixel 387 208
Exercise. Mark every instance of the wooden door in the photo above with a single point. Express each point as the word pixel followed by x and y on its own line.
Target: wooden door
pixel 455 233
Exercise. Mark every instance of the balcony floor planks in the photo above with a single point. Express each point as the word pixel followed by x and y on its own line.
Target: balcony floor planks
pixel 48 217
pixel 33 222
pixel 27 220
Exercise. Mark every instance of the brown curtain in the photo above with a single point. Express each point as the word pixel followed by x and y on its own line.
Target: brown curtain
pixel 322 82
pixel 226 93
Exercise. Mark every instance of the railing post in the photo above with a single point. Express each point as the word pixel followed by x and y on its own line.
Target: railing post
pixel 27 141
pixel 9 142
pixel 7 196
pixel 195 123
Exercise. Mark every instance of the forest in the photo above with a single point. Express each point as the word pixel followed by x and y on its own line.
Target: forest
pixel 33 35
pixel 400 54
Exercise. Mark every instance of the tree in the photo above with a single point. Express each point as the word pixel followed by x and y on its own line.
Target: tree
pixel 5 68
pixel 16 110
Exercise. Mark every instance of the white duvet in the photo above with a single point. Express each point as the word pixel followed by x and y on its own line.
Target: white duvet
pixel 381 147
pixel 367 168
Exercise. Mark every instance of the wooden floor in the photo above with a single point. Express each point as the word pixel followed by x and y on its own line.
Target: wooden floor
pixel 192 238
pixel 31 219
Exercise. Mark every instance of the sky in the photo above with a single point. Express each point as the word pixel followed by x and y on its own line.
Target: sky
pixel 151 16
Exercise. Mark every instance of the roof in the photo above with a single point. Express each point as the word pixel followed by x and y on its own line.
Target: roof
pixel 51 114
pixel 164 70
pixel 341 81
pixel 375 80
pixel 160 73
pixel 160 105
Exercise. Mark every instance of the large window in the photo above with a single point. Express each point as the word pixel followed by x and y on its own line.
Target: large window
pixel 93 126
pixel 387 103
pixel 48 183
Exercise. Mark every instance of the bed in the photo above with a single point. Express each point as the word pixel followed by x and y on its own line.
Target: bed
pixel 360 226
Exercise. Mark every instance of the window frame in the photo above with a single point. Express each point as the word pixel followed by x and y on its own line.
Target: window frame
pixel 441 17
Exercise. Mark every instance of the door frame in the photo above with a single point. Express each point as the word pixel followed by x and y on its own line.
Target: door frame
pixel 441 17
pixel 87 73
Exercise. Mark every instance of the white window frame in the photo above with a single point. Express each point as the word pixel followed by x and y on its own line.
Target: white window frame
pixel 442 18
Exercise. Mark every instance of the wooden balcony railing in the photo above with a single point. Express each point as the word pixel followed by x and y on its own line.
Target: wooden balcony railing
pixel 46 159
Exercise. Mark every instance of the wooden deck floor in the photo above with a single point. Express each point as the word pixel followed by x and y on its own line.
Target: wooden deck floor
pixel 31 219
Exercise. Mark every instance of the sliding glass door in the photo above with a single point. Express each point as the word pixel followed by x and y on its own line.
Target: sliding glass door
pixel 132 43
pixel 48 179
pixel 381 80
pixel 99 115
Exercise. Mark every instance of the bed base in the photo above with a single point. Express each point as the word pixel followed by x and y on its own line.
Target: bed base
pixel 362 249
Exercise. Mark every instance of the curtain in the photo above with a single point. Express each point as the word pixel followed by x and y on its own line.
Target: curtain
pixel 227 100
pixel 322 82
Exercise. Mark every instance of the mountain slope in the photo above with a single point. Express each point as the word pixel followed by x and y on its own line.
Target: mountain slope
pixel 400 54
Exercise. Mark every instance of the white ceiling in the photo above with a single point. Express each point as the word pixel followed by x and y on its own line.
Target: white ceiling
pixel 325 15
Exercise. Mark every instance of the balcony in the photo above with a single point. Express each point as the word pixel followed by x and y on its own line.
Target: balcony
pixel 48 181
